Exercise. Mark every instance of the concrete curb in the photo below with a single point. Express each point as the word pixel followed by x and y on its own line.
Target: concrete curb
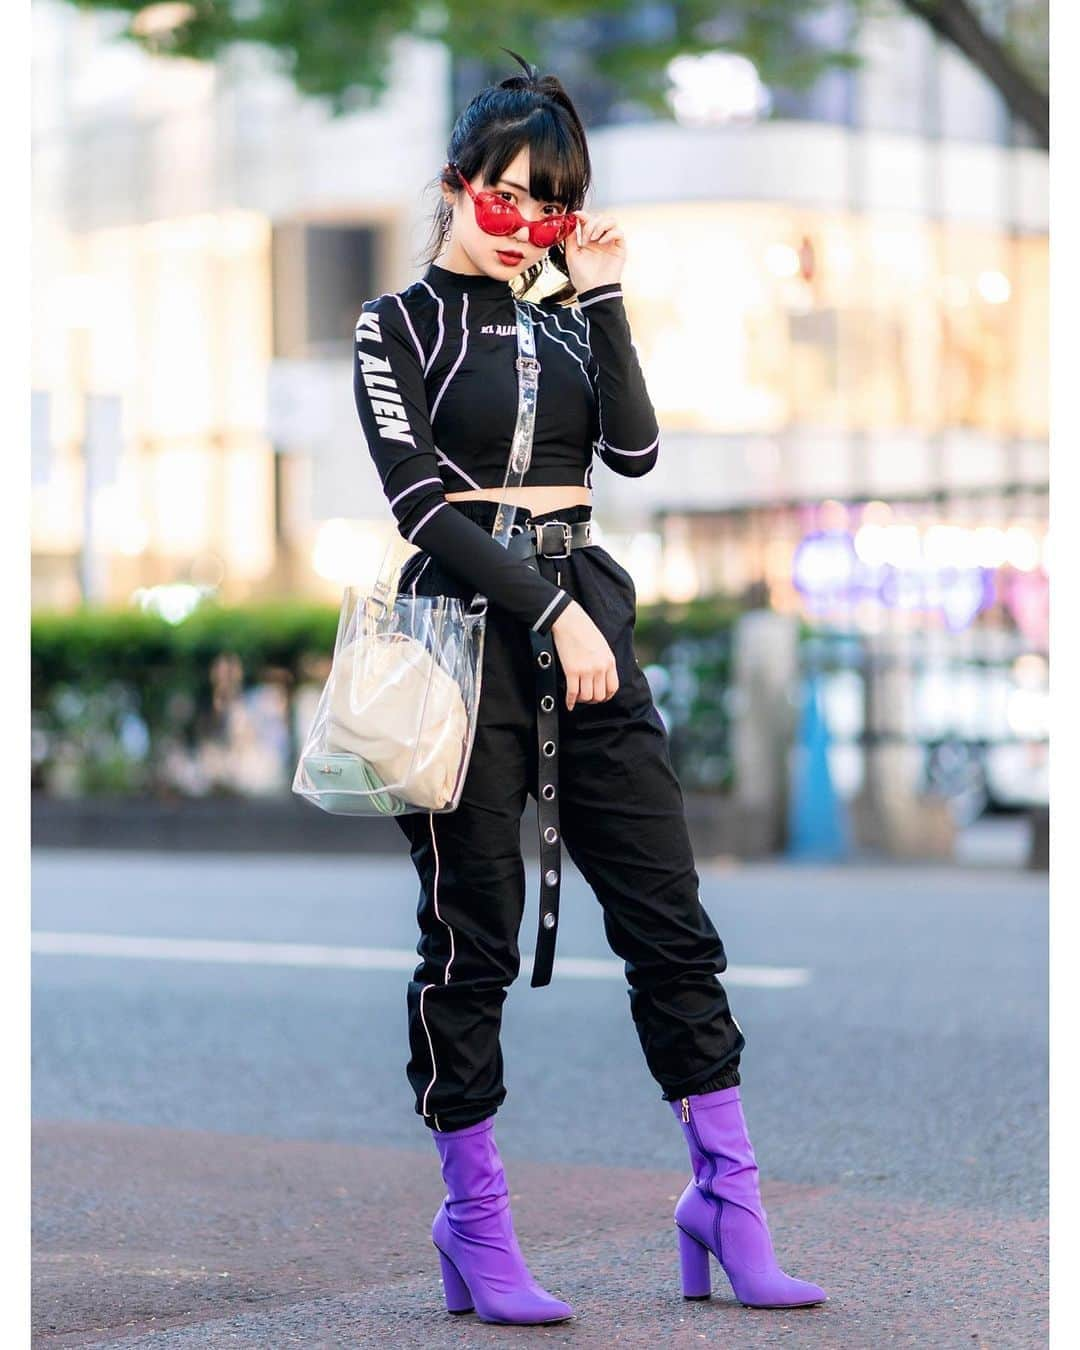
pixel 718 827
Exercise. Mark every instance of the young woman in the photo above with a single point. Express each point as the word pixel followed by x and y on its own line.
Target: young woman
pixel 436 389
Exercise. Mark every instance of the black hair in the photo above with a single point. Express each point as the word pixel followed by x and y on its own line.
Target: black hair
pixel 531 110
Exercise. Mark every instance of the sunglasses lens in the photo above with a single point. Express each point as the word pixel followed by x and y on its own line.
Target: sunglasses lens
pixel 550 232
pixel 497 217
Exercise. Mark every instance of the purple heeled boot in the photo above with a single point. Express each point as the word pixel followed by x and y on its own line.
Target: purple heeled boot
pixel 720 1211
pixel 482 1264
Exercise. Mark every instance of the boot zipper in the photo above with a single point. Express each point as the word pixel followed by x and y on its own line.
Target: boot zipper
pixel 693 1130
pixel 710 1157
pixel 712 1161
pixel 697 1138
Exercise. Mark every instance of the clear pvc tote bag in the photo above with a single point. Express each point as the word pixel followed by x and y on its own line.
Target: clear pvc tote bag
pixel 394 726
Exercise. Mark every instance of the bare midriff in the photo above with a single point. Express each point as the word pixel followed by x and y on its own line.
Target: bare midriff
pixel 538 499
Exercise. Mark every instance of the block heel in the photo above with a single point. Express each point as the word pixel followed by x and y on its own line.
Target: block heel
pixel 473 1231
pixel 456 1291
pixel 694 1265
pixel 721 1212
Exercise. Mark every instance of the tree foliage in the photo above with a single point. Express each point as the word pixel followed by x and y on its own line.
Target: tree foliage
pixel 339 50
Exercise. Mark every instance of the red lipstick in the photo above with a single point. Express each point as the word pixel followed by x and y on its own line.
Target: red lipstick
pixel 509 258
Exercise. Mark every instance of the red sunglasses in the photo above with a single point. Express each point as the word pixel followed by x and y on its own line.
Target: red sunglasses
pixel 495 215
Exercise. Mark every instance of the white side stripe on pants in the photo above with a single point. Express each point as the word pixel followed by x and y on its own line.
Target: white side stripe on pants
pixel 446 973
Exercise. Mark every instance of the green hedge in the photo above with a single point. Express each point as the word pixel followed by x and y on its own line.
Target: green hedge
pixel 660 625
pixel 112 691
pixel 93 647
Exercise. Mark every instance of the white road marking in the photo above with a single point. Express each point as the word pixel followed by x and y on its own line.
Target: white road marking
pixel 233 952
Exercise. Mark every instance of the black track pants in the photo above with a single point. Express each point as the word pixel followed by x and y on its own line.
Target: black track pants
pixel 623 824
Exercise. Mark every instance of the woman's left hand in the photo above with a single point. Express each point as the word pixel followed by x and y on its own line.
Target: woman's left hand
pixel 598 260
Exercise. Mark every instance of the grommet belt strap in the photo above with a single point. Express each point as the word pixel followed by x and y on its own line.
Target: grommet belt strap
pixel 525 545
pixel 547 806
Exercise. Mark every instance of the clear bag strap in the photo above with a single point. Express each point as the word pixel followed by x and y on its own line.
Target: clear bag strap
pixel 517 466
pixel 384 590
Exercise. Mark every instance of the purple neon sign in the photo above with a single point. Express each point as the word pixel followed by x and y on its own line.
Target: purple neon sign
pixel 828 572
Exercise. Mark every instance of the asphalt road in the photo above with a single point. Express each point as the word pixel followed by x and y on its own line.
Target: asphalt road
pixel 227 1152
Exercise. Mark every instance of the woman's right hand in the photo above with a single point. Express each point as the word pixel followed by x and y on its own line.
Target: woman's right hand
pixel 586 659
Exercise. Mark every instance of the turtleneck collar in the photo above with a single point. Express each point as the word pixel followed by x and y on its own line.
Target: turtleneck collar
pixel 441 278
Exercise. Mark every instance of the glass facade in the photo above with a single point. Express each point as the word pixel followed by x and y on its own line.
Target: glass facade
pixel 751 318
pixel 173 318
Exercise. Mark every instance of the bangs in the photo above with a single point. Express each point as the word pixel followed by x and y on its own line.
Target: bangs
pixel 558 170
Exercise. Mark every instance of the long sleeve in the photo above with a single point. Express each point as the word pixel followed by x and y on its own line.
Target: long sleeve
pixel 388 385
pixel 629 439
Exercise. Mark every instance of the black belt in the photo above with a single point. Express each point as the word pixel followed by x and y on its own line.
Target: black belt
pixel 549 539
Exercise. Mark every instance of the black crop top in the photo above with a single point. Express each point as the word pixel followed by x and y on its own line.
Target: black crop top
pixel 436 389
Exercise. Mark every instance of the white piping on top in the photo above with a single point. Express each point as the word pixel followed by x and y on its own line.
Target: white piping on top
pixel 552 338
pixel 547 610
pixel 442 331
pixel 416 528
pixel 407 490
pixel 412 330
pixel 419 574
pixel 445 459
pixel 615 449
pixel 594 377
pixel 604 295
pixel 461 354
pixel 576 336
pixel 604 443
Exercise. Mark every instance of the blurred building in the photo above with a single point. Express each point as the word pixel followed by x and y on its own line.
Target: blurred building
pixel 841 311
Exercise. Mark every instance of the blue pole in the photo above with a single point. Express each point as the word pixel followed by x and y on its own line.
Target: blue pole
pixel 817 824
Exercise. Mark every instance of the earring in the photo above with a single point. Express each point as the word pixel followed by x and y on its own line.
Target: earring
pixel 447 219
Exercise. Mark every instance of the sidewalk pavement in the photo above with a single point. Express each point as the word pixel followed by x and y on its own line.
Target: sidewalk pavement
pixel 159 1238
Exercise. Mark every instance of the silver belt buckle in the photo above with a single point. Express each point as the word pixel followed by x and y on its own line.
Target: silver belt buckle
pixel 565 527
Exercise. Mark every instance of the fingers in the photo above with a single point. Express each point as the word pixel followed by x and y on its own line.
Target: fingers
pixel 612 683
pixel 606 234
pixel 594 688
pixel 598 229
